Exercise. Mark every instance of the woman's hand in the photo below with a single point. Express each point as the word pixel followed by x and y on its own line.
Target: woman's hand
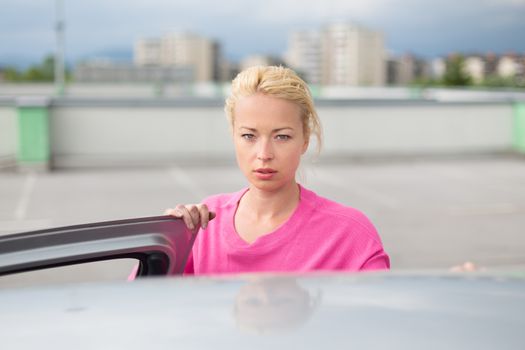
pixel 467 266
pixel 192 214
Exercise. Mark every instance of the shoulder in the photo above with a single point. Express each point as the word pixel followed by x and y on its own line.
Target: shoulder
pixel 334 213
pixel 223 200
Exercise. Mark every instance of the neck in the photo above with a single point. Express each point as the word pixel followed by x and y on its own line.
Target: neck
pixel 264 204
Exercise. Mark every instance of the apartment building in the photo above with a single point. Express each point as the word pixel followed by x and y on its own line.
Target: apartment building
pixel 147 52
pixel 406 69
pixel 181 49
pixel 304 55
pixel 352 55
pixel 475 68
pixel 339 54
pixel 510 66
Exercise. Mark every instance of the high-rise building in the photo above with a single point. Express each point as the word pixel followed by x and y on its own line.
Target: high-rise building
pixel 304 55
pixel 147 52
pixel 352 55
pixel 183 50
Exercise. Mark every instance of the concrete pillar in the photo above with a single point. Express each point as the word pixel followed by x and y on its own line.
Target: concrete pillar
pixel 33 134
pixel 519 127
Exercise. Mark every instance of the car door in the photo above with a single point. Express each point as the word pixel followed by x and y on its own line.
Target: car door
pixel 161 245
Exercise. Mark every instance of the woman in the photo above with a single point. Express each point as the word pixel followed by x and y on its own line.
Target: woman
pixel 276 225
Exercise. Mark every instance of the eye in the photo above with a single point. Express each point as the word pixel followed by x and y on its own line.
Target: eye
pixel 248 136
pixel 283 137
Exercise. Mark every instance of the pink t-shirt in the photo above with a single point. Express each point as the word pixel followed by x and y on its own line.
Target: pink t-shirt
pixel 320 235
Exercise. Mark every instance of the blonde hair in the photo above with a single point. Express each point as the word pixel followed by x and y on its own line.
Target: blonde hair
pixel 281 83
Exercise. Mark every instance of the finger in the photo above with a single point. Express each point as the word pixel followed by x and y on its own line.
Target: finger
pixel 212 215
pixel 204 215
pixel 176 212
pixel 469 266
pixel 195 215
pixel 186 216
pixel 465 267
pixel 172 212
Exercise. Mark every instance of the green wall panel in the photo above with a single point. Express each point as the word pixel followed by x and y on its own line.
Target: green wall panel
pixel 33 128
pixel 519 126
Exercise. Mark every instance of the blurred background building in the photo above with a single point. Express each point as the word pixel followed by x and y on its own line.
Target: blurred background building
pixel 304 54
pixel 183 49
pixel 103 71
pixel 147 52
pixel 260 60
pixel 352 55
pixel 178 57
pixel 407 69
pixel 339 54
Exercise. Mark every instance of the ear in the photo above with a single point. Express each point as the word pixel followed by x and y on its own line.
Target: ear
pixel 305 145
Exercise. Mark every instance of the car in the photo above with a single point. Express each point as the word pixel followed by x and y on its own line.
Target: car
pixel 160 244
pixel 163 309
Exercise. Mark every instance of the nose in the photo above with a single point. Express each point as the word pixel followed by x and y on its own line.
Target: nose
pixel 265 150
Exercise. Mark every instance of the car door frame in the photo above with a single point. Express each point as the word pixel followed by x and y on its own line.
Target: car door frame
pixel 161 244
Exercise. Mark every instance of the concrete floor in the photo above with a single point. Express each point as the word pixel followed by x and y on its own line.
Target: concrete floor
pixel 430 214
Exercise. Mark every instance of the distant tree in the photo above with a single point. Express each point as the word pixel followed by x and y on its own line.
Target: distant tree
pixel 12 74
pixel 41 72
pixel 507 82
pixel 455 74
pixel 425 82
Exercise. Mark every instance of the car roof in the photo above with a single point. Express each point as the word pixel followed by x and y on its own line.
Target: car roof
pixel 337 310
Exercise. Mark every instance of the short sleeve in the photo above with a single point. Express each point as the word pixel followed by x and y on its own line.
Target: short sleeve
pixel 377 261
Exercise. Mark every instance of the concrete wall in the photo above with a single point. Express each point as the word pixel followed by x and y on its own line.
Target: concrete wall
pixel 149 133
pixel 112 132
pixel 109 90
pixel 220 90
pixel 417 128
pixel 113 135
pixel 8 134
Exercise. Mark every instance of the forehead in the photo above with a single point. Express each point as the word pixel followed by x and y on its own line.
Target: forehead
pixel 265 109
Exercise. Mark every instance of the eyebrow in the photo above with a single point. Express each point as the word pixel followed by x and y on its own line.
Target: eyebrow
pixel 274 130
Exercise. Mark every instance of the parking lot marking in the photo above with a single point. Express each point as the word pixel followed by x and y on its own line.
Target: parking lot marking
pixel 25 196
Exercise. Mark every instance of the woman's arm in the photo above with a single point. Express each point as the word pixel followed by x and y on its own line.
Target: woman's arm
pixel 377 261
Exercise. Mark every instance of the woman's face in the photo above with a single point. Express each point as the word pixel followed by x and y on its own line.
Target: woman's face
pixel 269 140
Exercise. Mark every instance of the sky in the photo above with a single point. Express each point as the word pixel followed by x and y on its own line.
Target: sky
pixel 108 28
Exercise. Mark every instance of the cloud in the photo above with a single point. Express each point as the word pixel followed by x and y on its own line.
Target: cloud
pixel 313 10
pixel 517 3
pixel 245 26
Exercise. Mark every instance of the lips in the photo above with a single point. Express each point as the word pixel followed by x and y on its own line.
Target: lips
pixel 265 173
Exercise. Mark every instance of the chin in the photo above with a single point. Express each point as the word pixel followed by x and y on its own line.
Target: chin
pixel 268 185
